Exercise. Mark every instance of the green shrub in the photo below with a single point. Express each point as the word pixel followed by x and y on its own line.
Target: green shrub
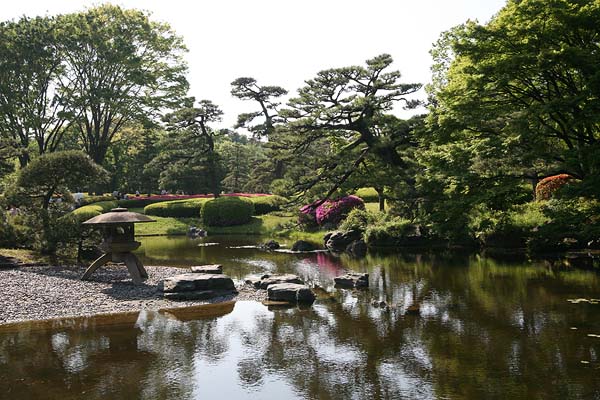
pixel 11 233
pixel 95 199
pixel 94 209
pixel 186 208
pixel 571 223
pixel 508 229
pixel 227 211
pixel 267 204
pixel 368 194
pixel 395 232
pixel 359 220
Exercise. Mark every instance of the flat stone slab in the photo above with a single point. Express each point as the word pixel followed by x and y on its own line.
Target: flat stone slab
pixel 208 269
pixel 197 294
pixel 195 282
pixel 352 280
pixel 264 281
pixel 290 292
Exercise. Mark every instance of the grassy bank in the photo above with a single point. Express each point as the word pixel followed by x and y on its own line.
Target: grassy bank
pixel 267 225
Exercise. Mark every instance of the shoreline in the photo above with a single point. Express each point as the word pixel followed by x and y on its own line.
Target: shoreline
pixel 47 293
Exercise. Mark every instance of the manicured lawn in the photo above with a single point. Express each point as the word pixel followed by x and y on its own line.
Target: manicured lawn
pixel 166 226
pixel 268 224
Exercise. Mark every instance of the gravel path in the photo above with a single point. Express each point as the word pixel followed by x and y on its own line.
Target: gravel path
pixel 43 292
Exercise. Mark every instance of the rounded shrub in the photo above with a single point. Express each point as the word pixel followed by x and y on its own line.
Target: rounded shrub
pixel 359 220
pixel 227 211
pixel 396 232
pixel 368 194
pixel 546 188
pixel 91 210
pixel 187 208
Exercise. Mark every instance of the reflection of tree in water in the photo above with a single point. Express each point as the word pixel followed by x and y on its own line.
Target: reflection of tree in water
pixel 485 330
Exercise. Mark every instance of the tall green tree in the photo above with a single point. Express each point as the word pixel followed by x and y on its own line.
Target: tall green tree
pixel 266 96
pixel 188 158
pixel 347 107
pixel 525 86
pixel 32 105
pixel 121 67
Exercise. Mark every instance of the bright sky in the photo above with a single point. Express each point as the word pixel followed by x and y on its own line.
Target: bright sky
pixel 284 42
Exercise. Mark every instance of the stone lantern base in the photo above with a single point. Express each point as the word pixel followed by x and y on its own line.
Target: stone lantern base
pixel 120 252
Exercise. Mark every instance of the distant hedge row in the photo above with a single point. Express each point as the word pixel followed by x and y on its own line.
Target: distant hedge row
pixel 91 210
pixel 187 208
pixel 192 207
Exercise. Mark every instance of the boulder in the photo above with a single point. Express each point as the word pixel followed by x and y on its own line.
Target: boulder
pixel 271 245
pixel 196 282
pixel 338 241
pixel 352 280
pixel 302 245
pixel 208 269
pixel 266 280
pixel 358 248
pixel 290 292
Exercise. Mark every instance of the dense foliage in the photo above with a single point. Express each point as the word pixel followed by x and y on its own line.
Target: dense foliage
pixel 227 211
pixel 513 115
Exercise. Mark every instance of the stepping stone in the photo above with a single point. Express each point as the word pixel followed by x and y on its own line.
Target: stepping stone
pixel 352 280
pixel 303 245
pixel 197 282
pixel 208 269
pixel 266 280
pixel 271 245
pixel 290 292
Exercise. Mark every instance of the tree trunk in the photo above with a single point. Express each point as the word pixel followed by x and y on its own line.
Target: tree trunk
pixel 381 199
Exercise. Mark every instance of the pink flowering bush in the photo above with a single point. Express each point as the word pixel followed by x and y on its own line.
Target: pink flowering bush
pixel 330 211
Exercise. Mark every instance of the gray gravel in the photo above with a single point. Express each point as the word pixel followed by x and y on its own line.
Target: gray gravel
pixel 43 292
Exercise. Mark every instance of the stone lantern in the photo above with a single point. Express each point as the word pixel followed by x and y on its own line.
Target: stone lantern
pixel 119 241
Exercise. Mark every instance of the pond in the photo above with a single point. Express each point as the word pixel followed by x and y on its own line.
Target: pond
pixel 484 329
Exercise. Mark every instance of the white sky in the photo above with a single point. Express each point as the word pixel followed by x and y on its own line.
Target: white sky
pixel 284 42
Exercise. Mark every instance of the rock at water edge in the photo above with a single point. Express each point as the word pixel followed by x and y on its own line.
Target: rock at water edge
pixel 290 292
pixel 193 281
pixel 268 280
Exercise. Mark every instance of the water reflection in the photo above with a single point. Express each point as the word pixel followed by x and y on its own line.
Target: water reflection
pixel 485 329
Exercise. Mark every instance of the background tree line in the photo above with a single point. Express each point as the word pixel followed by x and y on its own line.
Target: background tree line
pixel 511 102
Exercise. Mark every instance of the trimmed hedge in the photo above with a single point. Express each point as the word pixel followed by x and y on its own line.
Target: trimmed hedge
pixel 190 208
pixel 91 210
pixel 187 208
pixel 368 194
pixel 267 204
pixel 227 211
pixel 87 200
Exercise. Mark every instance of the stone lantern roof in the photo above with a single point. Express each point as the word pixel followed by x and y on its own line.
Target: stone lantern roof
pixel 118 216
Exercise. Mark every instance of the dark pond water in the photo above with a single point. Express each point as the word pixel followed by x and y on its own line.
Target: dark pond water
pixel 487 329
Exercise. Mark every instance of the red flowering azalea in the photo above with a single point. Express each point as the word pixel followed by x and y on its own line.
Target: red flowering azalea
pixel 330 211
pixel 548 186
